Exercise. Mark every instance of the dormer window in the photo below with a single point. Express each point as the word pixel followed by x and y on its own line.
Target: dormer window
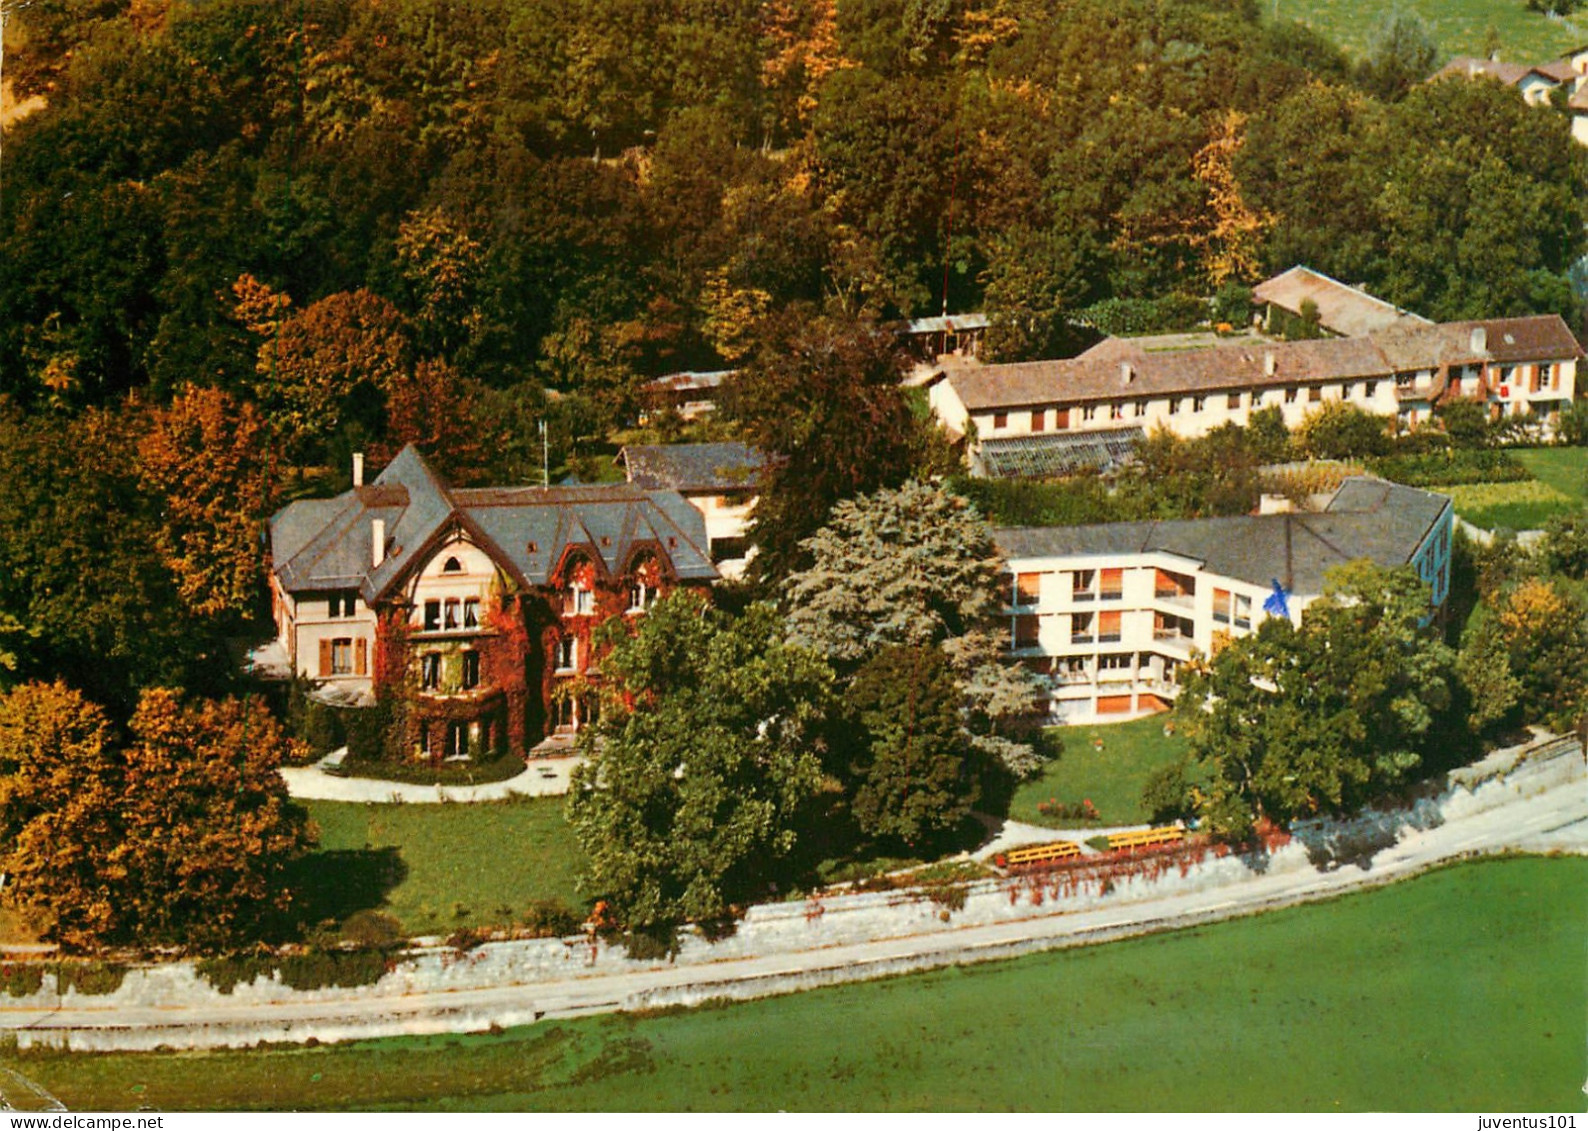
pixel 579 598
pixel 452 565
pixel 453 613
pixel 645 579
pixel 471 612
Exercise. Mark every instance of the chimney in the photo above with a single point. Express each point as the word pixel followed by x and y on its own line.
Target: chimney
pixel 1127 373
pixel 1480 339
pixel 377 541
pixel 1270 363
pixel 358 469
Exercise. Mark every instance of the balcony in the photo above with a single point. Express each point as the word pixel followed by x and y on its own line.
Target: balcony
pixel 1171 635
pixel 1175 597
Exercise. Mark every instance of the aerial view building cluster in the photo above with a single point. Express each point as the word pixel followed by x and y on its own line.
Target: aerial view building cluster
pixel 612 556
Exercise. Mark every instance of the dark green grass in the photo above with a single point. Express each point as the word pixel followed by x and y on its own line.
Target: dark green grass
pixel 1458 991
pixel 1459 26
pixel 1565 469
pixel 453 865
pixel 1111 776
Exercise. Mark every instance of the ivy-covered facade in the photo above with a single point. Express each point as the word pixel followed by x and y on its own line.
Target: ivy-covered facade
pixel 473 609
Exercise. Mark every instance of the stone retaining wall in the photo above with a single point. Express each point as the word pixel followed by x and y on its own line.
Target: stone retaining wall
pixel 438 989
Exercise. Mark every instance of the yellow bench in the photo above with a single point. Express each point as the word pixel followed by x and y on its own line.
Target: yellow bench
pixel 1143 838
pixel 1039 854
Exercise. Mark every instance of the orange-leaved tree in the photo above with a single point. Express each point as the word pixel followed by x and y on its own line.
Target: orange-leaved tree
pixel 209 460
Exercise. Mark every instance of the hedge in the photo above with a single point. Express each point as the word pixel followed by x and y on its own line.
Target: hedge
pixel 1451 466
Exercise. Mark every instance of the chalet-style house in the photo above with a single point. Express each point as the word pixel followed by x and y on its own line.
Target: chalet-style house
pixel 1051 417
pixel 1107 614
pixel 720 480
pixel 480 602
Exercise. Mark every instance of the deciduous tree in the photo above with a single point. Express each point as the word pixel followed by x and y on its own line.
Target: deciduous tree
pixel 1320 718
pixel 709 733
pixel 208 458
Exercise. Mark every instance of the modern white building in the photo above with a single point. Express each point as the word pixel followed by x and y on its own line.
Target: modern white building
pixel 1109 613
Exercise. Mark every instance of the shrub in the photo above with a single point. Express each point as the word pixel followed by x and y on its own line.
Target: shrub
pixel 551 918
pixel 91 979
pixel 310 970
pixel 1167 794
pixel 1069 811
pixel 24 979
pixel 319 969
pixel 1450 467
pixel 372 930
pixel 1340 430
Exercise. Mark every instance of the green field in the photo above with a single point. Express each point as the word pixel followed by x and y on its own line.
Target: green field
pixel 1462 990
pixel 1110 775
pixel 1526 505
pixel 1564 469
pixel 1459 26
pixel 440 867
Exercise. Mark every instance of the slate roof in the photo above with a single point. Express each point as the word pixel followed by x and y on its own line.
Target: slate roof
pixel 1367 518
pixel 1404 347
pixel 1343 309
pixel 325 544
pixel 727 466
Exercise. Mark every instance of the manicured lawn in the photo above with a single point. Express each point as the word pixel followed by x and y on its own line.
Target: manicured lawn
pixel 440 867
pixel 1459 26
pixel 1458 991
pixel 1564 469
pixel 1111 775
pixel 1527 505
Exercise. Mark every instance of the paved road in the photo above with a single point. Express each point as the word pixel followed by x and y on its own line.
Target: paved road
pixel 1548 817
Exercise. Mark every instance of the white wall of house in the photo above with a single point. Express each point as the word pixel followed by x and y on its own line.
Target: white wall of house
pixel 727 517
pixel 336 649
pixel 1540 389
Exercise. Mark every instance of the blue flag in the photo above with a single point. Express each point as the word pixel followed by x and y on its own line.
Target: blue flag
pixel 1278 603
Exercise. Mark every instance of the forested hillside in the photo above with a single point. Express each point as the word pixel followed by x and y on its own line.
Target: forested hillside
pixel 288 230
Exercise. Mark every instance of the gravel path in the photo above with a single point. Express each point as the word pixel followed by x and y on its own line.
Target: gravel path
pixel 542 777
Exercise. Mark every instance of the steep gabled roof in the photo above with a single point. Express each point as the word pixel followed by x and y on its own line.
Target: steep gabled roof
pixel 327 544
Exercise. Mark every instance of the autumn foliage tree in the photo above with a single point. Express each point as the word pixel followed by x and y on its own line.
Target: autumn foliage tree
pixel 208 458
pixel 58 821
pixel 179 837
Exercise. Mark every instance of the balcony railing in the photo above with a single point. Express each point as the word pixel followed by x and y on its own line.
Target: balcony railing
pixel 1170 634
pixel 1083 595
pixel 1108 638
pixel 1174 596
pixel 1080 638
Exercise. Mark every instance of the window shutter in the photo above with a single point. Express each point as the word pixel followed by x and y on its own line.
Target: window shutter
pixel 361 656
pixel 325 657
